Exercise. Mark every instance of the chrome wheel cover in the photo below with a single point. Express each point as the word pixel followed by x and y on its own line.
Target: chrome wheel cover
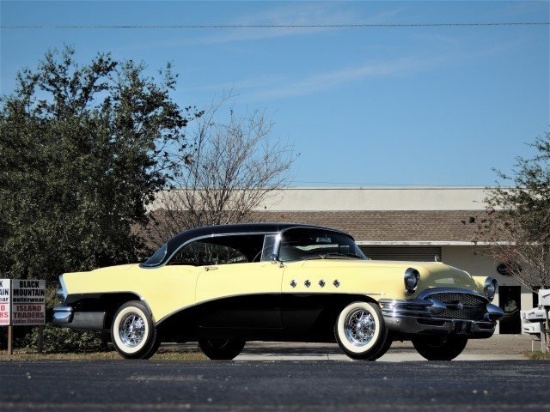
pixel 132 330
pixel 359 327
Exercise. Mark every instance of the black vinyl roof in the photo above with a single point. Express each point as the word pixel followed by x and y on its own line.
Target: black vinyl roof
pixel 222 230
pixel 242 228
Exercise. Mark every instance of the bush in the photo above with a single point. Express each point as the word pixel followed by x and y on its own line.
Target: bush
pixel 64 340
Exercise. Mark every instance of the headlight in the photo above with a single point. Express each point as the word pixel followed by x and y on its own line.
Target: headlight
pixel 490 288
pixel 411 279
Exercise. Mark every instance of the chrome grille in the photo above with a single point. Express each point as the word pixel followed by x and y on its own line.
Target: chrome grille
pixel 461 305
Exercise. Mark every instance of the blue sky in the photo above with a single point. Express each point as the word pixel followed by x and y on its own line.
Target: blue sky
pixel 384 99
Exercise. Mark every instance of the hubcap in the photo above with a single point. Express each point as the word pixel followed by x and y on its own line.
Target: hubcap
pixel 359 327
pixel 131 330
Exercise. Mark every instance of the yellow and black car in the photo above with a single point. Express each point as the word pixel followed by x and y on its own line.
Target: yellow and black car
pixel 225 285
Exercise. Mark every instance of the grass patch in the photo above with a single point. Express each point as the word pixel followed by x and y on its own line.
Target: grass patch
pixel 536 355
pixel 163 354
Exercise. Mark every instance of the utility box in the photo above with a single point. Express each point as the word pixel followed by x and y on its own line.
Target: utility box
pixel 544 298
pixel 535 315
pixel 529 328
pixel 532 321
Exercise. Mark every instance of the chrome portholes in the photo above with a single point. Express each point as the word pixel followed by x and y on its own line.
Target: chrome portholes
pixel 307 283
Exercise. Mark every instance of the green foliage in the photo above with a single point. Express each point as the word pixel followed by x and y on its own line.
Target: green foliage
pixel 520 214
pixel 537 355
pixel 65 340
pixel 83 149
pixel 529 202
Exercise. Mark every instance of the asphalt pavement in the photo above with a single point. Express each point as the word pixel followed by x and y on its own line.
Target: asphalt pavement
pixel 498 347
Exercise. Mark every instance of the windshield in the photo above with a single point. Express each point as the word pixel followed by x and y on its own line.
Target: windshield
pixel 306 243
pixel 157 258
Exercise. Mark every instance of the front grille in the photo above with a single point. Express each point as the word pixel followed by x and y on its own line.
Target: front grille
pixel 461 305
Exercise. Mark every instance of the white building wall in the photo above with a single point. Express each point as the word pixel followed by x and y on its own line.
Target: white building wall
pixel 398 198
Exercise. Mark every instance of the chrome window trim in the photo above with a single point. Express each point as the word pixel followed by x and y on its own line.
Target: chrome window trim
pixel 210 236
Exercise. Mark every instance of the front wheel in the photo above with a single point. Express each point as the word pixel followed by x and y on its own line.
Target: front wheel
pixel 439 347
pixel 133 331
pixel 222 348
pixel 361 332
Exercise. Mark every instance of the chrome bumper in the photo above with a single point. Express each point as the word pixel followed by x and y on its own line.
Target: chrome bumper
pixel 432 317
pixel 62 315
pixel 65 316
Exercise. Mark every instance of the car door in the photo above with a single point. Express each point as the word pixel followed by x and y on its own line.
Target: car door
pixel 305 289
pixel 236 292
pixel 246 295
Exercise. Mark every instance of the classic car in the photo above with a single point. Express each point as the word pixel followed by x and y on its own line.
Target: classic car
pixel 228 284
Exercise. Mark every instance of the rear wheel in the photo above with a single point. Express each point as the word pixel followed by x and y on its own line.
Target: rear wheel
pixel 133 331
pixel 439 347
pixel 221 348
pixel 361 332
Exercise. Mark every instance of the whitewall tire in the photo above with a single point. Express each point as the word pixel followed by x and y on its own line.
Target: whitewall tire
pixel 361 332
pixel 133 331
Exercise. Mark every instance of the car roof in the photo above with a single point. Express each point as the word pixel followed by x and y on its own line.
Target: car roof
pixel 180 239
pixel 241 228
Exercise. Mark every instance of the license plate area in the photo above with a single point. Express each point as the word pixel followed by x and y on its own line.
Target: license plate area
pixel 463 328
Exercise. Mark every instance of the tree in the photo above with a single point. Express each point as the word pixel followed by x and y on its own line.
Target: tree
pixel 234 166
pixel 517 226
pixel 83 149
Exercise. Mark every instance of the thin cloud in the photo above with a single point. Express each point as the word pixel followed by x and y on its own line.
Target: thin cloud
pixel 295 14
pixel 332 80
pixel 406 66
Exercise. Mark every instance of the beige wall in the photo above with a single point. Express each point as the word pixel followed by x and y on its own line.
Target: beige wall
pixel 354 199
pixel 398 198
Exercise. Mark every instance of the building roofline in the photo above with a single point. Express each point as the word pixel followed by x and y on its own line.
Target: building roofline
pixel 426 243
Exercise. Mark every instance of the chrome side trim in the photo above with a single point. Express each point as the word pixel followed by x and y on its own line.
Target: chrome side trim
pixel 62 315
pixel 65 316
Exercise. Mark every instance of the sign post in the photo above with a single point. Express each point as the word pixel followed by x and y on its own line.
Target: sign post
pixel 22 303
pixel 5 303
pixel 5 310
pixel 28 302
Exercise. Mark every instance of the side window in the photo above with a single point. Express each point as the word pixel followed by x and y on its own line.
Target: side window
pixel 268 248
pixel 219 251
pixel 205 253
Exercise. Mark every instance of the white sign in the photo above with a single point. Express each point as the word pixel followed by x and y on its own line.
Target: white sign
pixel 28 300
pixel 5 303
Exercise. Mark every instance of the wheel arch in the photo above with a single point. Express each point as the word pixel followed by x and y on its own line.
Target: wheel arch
pixel 113 301
pixel 333 305
pixel 339 301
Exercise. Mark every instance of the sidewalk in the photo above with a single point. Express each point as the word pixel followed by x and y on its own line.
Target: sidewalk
pixel 498 347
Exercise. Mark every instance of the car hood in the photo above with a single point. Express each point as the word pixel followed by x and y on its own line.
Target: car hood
pixel 432 274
